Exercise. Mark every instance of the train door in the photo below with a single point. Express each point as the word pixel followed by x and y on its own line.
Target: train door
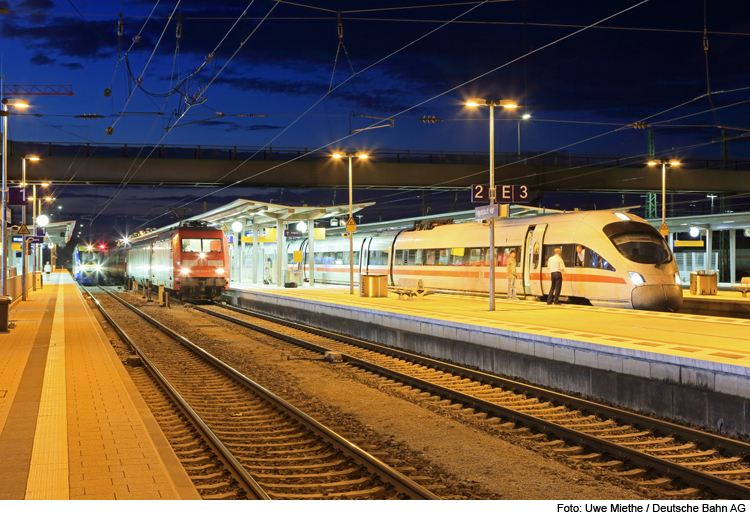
pixel 532 268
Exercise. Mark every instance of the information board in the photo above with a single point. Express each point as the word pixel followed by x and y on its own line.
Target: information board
pixel 480 193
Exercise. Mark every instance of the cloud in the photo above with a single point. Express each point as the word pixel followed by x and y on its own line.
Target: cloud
pixel 230 126
pixel 40 60
pixel 37 4
pixel 72 65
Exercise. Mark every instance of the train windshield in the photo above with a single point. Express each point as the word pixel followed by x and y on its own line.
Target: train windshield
pixel 643 248
pixel 201 245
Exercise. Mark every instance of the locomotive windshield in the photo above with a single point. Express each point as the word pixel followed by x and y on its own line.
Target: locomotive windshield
pixel 201 245
pixel 642 248
pixel 638 242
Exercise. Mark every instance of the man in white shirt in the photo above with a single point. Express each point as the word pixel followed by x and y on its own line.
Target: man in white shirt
pixel 556 267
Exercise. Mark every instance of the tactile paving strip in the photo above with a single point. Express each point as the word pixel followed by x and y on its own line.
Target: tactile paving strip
pixel 48 472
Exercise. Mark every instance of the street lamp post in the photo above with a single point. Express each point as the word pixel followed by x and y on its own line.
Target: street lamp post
pixel 17 103
pixel 24 264
pixel 505 103
pixel 524 117
pixel 351 214
pixel 664 230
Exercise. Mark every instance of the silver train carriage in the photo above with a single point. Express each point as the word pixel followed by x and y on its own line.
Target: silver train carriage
pixel 626 264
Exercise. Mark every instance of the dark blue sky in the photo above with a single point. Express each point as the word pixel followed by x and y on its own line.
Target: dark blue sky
pixel 611 76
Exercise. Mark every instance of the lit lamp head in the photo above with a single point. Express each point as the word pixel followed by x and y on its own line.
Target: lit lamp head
pixel 674 163
pixel 694 231
pixel 15 102
pixel 42 220
pixel 302 226
pixel 362 156
pixel 526 116
pixel 236 226
pixel 337 155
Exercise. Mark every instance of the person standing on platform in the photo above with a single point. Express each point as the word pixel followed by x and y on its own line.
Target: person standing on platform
pixel 47 269
pixel 512 276
pixel 556 268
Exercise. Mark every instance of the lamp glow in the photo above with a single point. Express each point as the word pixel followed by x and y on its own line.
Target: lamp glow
pixel 472 104
pixel 201 255
pixel 694 231
pixel 337 155
pixel 362 156
pixel 42 220
pixel 526 116
pixel 236 226
pixel 302 227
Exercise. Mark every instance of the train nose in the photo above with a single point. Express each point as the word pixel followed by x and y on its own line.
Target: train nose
pixel 657 297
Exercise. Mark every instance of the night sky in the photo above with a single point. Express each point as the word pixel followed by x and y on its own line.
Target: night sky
pixel 272 79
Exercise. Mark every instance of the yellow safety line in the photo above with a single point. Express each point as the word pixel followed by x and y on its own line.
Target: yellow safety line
pixel 48 473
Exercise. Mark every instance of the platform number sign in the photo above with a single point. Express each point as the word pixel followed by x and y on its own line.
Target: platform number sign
pixel 480 193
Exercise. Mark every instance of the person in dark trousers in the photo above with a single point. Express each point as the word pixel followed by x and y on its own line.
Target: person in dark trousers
pixel 556 268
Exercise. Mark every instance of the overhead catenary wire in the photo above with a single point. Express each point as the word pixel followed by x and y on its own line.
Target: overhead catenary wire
pixel 200 94
pixel 417 105
pixel 321 98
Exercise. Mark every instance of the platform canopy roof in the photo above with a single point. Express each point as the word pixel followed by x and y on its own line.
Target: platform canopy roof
pixel 681 224
pixel 60 232
pixel 264 214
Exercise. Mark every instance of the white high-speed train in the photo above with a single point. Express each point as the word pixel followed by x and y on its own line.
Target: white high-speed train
pixel 626 263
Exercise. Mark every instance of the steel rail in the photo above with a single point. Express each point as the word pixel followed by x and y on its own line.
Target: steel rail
pixel 240 474
pixel 688 475
pixel 388 474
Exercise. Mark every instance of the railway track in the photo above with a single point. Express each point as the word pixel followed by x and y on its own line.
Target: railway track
pixel 684 462
pixel 270 448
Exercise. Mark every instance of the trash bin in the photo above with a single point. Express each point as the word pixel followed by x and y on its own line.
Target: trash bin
pixel 373 285
pixel 703 283
pixel 291 276
pixel 4 307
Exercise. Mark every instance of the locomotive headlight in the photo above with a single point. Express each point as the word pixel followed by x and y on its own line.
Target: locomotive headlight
pixel 201 255
pixel 185 271
pixel 220 271
pixel 677 279
pixel 98 267
pixel 637 278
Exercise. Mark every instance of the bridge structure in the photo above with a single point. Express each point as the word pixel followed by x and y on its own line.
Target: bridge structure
pixel 219 166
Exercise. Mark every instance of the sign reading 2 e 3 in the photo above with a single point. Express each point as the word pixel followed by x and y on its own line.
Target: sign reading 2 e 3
pixel 503 193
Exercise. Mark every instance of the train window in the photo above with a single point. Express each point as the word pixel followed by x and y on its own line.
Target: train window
pixel 643 248
pixel 378 258
pixel 201 245
pixel 345 258
pixel 458 256
pixel 398 257
pixel 477 256
pixel 414 258
pixel 568 254
pixel 535 256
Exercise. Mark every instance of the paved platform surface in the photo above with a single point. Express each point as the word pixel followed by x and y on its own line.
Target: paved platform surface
pixel 72 424
pixel 718 340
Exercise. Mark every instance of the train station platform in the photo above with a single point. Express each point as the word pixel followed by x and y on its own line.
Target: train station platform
pixel 725 303
pixel 72 424
pixel 687 367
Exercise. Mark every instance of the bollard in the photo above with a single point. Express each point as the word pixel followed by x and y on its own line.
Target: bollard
pixel 4 309
pixel 149 293
pixel 161 295
pixel 143 293
pixel 166 299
